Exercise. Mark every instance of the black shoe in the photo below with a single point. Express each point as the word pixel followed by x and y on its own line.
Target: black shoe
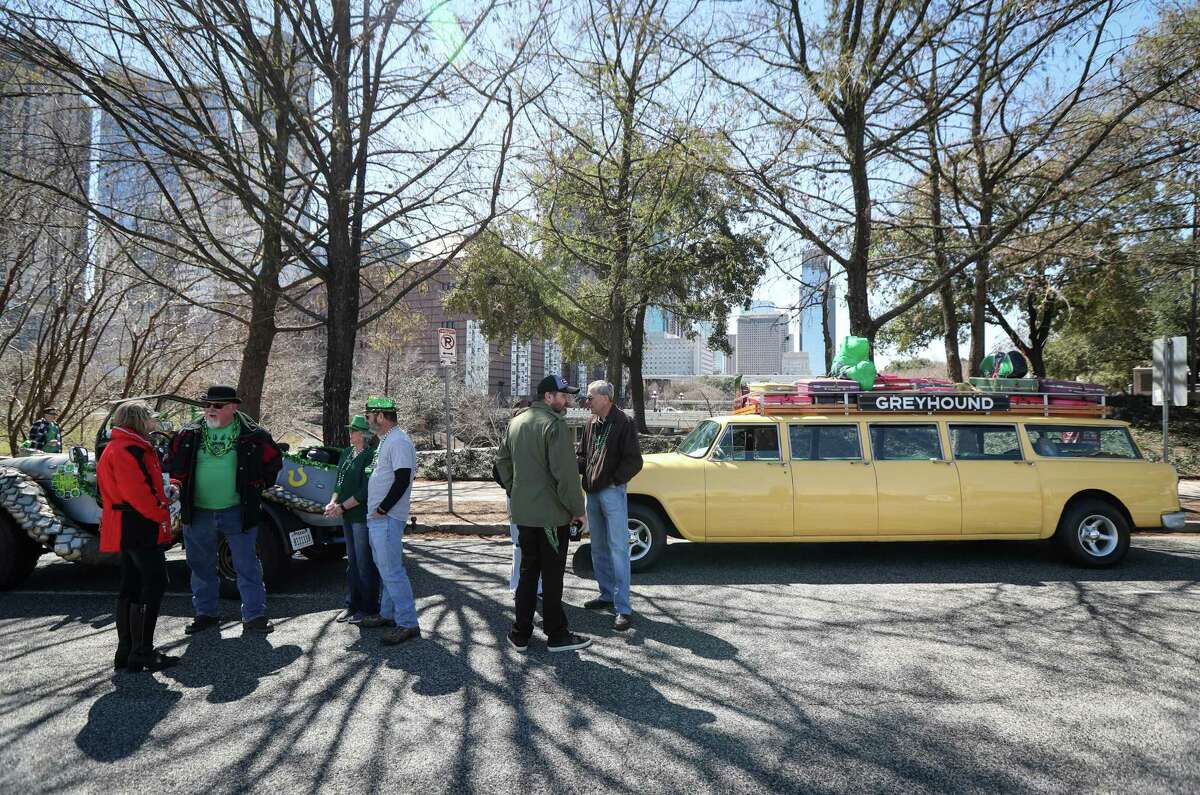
pixel 569 643
pixel 124 636
pixel 257 626
pixel 517 642
pixel 201 623
pixel 622 622
pixel 400 635
pixel 598 604
pixel 143 657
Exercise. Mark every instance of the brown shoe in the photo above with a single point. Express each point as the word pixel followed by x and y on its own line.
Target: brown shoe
pixel 376 621
pixel 400 635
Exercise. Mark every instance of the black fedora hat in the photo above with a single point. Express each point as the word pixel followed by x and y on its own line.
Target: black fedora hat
pixel 219 393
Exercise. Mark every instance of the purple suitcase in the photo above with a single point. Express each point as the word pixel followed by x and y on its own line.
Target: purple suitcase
pixel 826 386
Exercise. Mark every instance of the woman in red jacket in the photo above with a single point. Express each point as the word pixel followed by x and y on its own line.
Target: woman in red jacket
pixel 137 524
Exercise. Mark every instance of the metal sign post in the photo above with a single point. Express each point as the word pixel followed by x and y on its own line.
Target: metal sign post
pixel 448 357
pixel 1170 380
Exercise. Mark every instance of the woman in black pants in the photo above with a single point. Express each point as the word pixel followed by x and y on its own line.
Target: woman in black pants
pixel 137 524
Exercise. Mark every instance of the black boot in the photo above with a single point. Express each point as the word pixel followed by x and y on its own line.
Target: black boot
pixel 142 619
pixel 124 638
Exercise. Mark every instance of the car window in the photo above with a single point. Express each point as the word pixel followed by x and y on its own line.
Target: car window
pixel 1081 441
pixel 749 443
pixel 905 442
pixel 698 441
pixel 985 442
pixel 825 442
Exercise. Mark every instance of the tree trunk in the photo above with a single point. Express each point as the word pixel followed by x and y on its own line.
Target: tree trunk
pixel 954 368
pixel 637 384
pixel 858 263
pixel 616 346
pixel 826 332
pixel 1193 320
pixel 256 354
pixel 979 300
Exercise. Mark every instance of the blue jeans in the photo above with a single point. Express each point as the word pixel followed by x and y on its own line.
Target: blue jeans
pixel 387 545
pixel 608 524
pixel 362 578
pixel 200 540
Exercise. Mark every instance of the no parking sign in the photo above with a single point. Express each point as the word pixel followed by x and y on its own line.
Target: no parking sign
pixel 447 347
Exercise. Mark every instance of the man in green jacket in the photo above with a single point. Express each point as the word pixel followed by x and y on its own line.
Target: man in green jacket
pixel 537 467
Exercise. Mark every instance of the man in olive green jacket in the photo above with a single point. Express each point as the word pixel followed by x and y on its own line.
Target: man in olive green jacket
pixel 537 467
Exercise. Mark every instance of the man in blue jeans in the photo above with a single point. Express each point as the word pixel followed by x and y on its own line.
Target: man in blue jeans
pixel 609 457
pixel 389 495
pixel 222 464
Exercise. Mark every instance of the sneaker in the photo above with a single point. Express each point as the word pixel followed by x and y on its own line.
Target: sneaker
pixel 344 616
pixel 622 622
pixel 517 642
pixel 355 619
pixel 201 623
pixel 400 635
pixel 376 620
pixel 598 604
pixel 569 643
pixel 257 626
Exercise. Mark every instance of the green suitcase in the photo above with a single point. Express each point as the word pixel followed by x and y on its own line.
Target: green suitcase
pixel 1005 384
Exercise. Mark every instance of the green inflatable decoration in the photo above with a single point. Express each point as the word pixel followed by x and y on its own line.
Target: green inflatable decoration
pixel 853 361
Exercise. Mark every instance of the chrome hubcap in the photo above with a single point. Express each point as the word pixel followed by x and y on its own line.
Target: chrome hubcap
pixel 1098 535
pixel 640 540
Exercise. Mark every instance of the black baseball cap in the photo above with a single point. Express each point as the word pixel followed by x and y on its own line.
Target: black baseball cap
pixel 556 383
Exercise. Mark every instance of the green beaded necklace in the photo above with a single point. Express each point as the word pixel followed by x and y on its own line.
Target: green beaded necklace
pixel 216 447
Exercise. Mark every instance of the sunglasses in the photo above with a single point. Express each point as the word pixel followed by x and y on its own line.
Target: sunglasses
pixel 207 404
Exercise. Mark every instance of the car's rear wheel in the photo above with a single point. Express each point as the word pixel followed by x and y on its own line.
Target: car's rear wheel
pixel 18 553
pixel 1093 533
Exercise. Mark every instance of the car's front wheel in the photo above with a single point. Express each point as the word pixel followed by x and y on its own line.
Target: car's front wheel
pixel 1093 533
pixel 272 554
pixel 647 537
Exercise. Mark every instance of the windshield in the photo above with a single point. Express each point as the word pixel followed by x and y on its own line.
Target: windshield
pixel 698 441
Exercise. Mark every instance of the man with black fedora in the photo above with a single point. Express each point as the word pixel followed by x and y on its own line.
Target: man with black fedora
pixel 223 463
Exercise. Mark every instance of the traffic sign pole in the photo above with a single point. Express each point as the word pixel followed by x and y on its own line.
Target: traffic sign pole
pixel 1167 392
pixel 448 357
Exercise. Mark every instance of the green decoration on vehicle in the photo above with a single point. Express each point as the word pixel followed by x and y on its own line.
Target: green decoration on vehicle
pixel 853 362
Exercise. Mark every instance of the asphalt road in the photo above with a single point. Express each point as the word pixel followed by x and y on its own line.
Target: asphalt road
pixel 918 668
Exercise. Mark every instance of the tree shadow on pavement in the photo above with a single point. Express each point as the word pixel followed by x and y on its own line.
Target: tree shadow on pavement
pixel 623 694
pixel 120 721
pixel 232 666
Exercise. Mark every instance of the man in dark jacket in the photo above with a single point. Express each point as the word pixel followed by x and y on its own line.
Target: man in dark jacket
pixel 609 457
pixel 45 434
pixel 223 464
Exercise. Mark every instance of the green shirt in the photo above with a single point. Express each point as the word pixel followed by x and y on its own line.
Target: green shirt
pixel 52 444
pixel 352 481
pixel 216 476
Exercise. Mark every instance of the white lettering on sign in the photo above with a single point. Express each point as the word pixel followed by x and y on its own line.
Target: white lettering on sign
pixel 915 403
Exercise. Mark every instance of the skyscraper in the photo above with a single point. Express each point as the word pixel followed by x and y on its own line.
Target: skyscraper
pixel 761 341
pixel 818 310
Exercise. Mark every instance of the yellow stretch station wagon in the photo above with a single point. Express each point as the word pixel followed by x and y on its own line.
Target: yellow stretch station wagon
pixel 904 477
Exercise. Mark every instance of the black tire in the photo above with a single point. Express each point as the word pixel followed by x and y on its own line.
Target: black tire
pixel 328 552
pixel 18 554
pixel 652 537
pixel 272 554
pixel 1093 533
pixel 581 560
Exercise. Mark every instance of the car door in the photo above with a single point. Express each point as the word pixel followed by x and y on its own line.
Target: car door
pixel 748 484
pixel 1000 487
pixel 915 482
pixel 833 484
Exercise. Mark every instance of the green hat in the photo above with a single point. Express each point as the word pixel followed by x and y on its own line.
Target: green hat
pixel 359 423
pixel 380 404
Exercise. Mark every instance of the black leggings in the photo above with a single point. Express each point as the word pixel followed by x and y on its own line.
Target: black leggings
pixel 144 576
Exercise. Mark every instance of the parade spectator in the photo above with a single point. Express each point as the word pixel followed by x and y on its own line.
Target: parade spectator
pixel 349 502
pixel 223 463
pixel 609 457
pixel 514 575
pixel 136 524
pixel 389 495
pixel 45 434
pixel 537 467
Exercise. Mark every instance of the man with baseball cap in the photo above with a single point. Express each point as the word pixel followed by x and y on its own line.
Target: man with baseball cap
pixel 537 467
pixel 388 498
pixel 45 434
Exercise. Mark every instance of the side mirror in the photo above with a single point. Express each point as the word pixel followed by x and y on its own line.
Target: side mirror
pixel 284 446
pixel 79 455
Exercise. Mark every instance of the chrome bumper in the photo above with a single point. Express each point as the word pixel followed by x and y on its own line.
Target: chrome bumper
pixel 1174 520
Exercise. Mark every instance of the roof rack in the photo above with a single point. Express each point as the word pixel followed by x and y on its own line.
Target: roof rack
pixel 1046 405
